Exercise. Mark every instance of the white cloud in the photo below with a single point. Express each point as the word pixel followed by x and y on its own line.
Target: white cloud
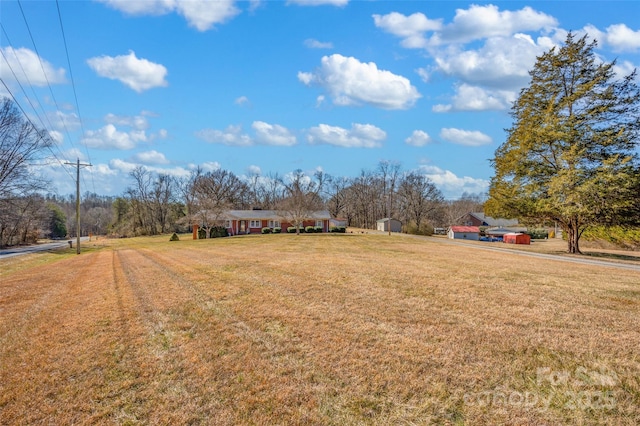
pixel 200 14
pixel 625 68
pixel 254 170
pixel 500 62
pixel 359 136
pixel 475 23
pixel 351 82
pixel 28 68
pixel 474 98
pixel 137 74
pixel 451 185
pixel 62 121
pixel 108 137
pixel 209 166
pixel 138 122
pixel 620 37
pixel 410 28
pixel 465 137
pixel 56 136
pixel 151 157
pixel 425 74
pixel 231 136
pixel 339 3
pixel 315 44
pixel 488 21
pixel 273 134
pixel 127 167
pixel 418 138
pixel 242 100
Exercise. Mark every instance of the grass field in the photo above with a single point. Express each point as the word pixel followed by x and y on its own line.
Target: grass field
pixel 315 329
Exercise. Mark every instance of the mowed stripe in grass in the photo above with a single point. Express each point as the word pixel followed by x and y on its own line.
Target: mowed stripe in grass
pixel 317 329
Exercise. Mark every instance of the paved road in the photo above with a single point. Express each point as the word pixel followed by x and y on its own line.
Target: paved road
pixel 493 247
pixel 22 250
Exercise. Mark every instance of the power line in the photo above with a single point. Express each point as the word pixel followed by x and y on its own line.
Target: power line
pixel 35 48
pixel 40 135
pixel 73 85
pixel 29 101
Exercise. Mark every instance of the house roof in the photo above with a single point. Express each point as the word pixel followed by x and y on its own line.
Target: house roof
pixel 472 229
pixel 270 215
pixel 490 221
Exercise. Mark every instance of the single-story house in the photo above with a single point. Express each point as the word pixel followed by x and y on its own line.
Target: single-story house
pixel 336 221
pixel 252 221
pixel 464 233
pixel 383 225
pixel 516 238
pixel 479 219
pixel 501 232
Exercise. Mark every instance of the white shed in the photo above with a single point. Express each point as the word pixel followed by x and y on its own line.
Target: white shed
pixel 464 233
pixel 383 225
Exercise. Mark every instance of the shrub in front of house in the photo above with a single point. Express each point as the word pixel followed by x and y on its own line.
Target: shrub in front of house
pixel 266 230
pixel 202 234
pixel 338 229
pixel 291 230
pixel 538 234
pixel 277 230
pixel 425 229
pixel 309 229
pixel 218 232
pixel 317 229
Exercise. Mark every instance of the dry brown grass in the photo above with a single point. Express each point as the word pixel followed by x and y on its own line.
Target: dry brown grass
pixel 315 329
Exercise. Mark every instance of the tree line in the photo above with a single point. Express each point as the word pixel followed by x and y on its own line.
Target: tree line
pixel 570 158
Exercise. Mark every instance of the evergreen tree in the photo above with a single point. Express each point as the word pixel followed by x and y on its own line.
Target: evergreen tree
pixel 57 221
pixel 571 155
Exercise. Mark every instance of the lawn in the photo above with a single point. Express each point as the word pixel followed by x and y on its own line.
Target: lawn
pixel 315 329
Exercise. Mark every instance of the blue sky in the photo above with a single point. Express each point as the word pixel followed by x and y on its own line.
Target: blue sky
pixel 274 86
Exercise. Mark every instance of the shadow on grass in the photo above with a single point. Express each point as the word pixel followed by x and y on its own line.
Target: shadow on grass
pixel 612 256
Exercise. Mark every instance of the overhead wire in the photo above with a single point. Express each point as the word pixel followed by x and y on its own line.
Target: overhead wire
pixel 41 137
pixel 73 85
pixel 30 103
pixel 53 97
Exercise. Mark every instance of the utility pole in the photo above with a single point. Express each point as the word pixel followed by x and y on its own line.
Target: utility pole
pixel 78 165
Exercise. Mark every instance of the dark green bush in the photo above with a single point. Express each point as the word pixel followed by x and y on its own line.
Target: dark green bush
pixel 266 230
pixel 425 229
pixel 309 229
pixel 202 234
pixel 538 234
pixel 318 229
pixel 174 237
pixel 218 232
pixel 277 230
pixel 338 229
pixel 291 230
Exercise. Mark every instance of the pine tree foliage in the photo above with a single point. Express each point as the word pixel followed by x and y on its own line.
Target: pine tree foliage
pixel 572 153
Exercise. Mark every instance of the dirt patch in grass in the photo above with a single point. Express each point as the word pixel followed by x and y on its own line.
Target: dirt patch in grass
pixel 316 329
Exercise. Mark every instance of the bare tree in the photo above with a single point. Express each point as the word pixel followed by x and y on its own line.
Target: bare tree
pixel 217 192
pixel 418 198
pixel 21 146
pixel 337 196
pixel 302 197
pixel 389 172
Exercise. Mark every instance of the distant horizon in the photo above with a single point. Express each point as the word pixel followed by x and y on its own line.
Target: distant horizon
pixel 271 87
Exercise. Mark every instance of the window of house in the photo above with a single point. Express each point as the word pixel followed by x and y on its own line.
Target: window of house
pixel 319 223
pixel 255 224
pixel 274 224
pixel 227 224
